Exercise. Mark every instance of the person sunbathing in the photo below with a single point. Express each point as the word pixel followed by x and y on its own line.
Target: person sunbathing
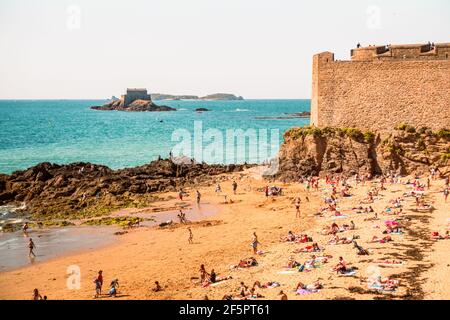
pixel 345 193
pixel 390 229
pixel 292 263
pixel 386 284
pixel 392 262
pixel 375 217
pixel 376 239
pixel 247 263
pixel 436 236
pixel 265 285
pixel 350 226
pixel 313 248
pixel 337 240
pixel 291 237
pixel 310 287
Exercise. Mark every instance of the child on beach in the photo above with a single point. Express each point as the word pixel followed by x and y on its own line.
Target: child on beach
pixel 113 288
pixel 98 284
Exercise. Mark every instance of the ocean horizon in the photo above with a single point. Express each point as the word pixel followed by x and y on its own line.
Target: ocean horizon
pixel 66 130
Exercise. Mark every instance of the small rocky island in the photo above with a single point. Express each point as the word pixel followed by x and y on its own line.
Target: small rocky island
pixel 134 100
pixel 215 96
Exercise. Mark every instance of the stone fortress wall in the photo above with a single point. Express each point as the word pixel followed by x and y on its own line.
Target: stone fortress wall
pixel 135 94
pixel 383 86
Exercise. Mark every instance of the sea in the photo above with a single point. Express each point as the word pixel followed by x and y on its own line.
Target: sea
pixel 65 131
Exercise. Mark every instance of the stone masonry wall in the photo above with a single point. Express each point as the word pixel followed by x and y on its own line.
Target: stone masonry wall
pixel 380 94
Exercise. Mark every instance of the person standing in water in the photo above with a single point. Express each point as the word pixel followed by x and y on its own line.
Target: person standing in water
pixel 31 247
pixel 25 228
pixel 191 236
pixel 255 243
pixel 234 186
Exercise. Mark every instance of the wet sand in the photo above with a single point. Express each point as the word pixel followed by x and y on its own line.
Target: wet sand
pixel 51 243
pixel 146 254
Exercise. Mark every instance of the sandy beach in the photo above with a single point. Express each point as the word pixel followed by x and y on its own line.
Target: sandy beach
pixel 147 254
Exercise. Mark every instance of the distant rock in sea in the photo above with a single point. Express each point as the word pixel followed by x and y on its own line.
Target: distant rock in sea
pixel 222 96
pixel 136 99
pixel 163 96
pixel 303 114
pixel 202 109
pixel 137 105
pixel 215 96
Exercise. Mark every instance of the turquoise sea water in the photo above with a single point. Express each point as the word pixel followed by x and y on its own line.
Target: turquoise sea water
pixel 64 131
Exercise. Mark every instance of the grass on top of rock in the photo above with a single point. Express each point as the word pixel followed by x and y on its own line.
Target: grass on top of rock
pixel 353 133
pixel 442 133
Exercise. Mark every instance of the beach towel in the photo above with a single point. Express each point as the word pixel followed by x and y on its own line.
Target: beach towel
pixel 287 271
pixel 338 217
pixel 304 291
pixel 348 273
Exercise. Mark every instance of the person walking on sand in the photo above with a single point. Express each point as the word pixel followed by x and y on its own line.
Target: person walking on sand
pixel 31 247
pixel 297 208
pixel 98 284
pixel 198 197
pixel 234 186
pixel 191 236
pixel 255 243
pixel 267 191
pixel 180 195
pixel 446 192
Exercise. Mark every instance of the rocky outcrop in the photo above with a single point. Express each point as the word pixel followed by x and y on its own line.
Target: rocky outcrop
pixel 85 189
pixel 201 110
pixel 137 105
pixel 313 151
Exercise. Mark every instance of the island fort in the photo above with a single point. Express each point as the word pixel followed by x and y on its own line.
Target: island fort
pixel 383 86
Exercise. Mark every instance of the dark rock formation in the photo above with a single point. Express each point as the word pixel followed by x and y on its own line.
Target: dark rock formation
pixel 85 189
pixel 137 105
pixel 201 109
pixel 303 114
pixel 313 151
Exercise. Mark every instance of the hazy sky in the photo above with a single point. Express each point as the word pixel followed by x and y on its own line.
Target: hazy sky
pixel 254 48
